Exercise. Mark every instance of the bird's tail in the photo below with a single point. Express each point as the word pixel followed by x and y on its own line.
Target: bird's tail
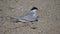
pixel 14 18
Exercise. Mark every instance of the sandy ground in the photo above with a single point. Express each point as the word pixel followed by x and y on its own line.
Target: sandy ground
pixel 48 22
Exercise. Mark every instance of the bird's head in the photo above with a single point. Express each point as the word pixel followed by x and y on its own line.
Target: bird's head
pixel 36 10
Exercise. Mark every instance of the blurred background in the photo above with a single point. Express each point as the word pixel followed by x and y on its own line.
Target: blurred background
pixel 48 22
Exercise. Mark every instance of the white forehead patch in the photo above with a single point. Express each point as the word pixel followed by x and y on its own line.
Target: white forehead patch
pixel 34 10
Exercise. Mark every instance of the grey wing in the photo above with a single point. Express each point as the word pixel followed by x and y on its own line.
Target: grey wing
pixel 29 17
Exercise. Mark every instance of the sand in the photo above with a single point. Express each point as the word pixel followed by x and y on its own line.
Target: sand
pixel 48 21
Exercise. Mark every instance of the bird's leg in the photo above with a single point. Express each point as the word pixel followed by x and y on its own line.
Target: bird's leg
pixel 36 20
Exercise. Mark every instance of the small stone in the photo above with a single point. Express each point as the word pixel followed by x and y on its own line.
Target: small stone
pixel 33 27
pixel 0 9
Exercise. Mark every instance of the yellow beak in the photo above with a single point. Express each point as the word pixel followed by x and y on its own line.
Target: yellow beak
pixel 38 12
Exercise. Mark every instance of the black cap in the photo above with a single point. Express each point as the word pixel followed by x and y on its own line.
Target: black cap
pixel 34 8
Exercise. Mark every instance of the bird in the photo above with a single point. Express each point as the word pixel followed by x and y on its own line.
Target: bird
pixel 30 16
